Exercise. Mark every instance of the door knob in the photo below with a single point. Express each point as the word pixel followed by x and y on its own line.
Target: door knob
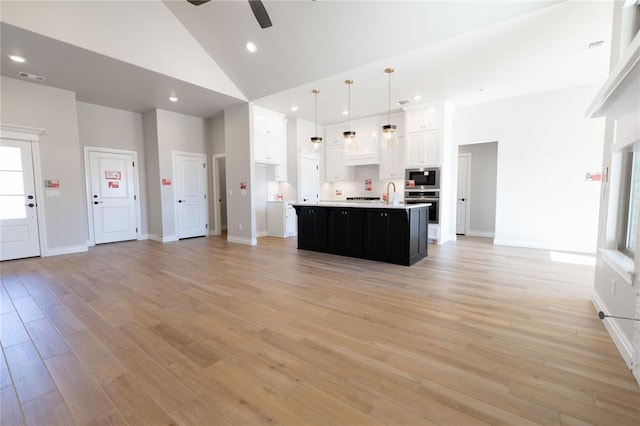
pixel 461 199
pixel 180 201
pixel 30 197
pixel 30 205
pixel 98 202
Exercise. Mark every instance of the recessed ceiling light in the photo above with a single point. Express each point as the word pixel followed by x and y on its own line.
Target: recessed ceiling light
pixel 16 58
pixel 417 97
pixel 345 112
pixel 173 98
pixel 251 47
pixel 294 108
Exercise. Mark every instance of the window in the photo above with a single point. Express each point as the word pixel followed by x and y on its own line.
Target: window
pixel 630 203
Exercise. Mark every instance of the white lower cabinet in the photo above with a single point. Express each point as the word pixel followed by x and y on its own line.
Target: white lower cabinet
pixel 434 232
pixel 281 219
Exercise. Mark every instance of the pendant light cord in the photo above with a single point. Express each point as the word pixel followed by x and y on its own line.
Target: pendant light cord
pixel 349 108
pixel 389 110
pixel 316 114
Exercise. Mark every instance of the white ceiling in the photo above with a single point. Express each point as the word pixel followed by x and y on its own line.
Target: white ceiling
pixel 439 50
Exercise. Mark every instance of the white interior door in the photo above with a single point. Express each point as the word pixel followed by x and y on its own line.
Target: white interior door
pixel 113 197
pixel 191 194
pixel 19 235
pixel 462 203
pixel 309 185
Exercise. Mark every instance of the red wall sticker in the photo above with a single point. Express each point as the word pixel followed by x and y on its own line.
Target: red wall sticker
pixel 113 174
pixel 243 185
pixel 166 181
pixel 114 184
pixel 52 183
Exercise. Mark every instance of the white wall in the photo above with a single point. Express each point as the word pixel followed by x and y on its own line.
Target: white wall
pixel 546 148
pixel 482 193
pixel 111 128
pixel 54 110
pixel 239 158
pixel 154 212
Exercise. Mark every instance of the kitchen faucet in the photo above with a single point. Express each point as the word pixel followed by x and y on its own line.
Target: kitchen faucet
pixel 394 190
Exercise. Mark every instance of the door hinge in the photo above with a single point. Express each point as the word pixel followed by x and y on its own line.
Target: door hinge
pixel 206 226
pixel 205 196
pixel 204 166
pixel 136 229
pixel 133 163
pixel 135 197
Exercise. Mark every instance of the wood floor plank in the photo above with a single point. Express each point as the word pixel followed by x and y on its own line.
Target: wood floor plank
pixel 46 338
pixel 48 409
pixel 12 331
pixel 10 412
pixel 30 376
pixel 28 309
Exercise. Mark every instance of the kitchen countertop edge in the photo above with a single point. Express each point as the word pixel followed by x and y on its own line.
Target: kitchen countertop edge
pixel 362 205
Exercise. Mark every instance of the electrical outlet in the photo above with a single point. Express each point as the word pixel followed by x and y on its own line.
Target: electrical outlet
pixel 613 286
pixel 240 226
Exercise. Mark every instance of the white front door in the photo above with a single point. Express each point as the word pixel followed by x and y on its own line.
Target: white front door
pixel 112 196
pixel 19 235
pixel 309 185
pixel 462 203
pixel 191 194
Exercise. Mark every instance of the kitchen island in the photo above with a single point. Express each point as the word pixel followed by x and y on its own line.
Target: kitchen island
pixel 375 231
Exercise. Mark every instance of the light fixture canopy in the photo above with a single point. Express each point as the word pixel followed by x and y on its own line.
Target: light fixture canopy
pixel 389 138
pixel 316 140
pixel 349 135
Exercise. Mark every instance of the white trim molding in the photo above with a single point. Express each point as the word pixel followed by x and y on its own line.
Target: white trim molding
pixel 622 343
pixel 58 251
pixel 242 240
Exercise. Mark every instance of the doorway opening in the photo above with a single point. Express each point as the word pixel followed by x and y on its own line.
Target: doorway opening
pixel 477 188
pixel 219 198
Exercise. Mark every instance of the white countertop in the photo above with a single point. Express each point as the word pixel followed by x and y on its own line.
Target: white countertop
pixel 362 205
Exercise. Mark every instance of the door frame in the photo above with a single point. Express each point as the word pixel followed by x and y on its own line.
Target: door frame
pixel 467 205
pixel 32 135
pixel 216 229
pixel 87 179
pixel 176 222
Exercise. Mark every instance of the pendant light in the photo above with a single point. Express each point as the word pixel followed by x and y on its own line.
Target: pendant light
pixel 316 140
pixel 349 135
pixel 389 138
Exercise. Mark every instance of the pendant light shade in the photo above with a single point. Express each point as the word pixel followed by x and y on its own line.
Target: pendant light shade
pixel 316 140
pixel 349 135
pixel 389 138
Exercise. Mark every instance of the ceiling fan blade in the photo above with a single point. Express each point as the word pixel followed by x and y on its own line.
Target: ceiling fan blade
pixel 260 13
pixel 198 2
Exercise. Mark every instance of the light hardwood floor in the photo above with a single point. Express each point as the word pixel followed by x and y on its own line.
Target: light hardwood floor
pixel 205 332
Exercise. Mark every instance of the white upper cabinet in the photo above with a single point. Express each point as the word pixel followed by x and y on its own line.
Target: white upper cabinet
pixel 424 149
pixel 366 149
pixel 392 161
pixel 424 130
pixel 269 137
pixel 419 120
pixel 335 168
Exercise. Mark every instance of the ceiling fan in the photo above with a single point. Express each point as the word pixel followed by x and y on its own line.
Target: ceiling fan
pixel 257 8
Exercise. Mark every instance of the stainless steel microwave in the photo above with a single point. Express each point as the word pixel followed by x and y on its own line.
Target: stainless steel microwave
pixel 421 179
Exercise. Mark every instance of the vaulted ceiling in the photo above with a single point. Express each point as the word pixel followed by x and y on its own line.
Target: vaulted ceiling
pixel 134 54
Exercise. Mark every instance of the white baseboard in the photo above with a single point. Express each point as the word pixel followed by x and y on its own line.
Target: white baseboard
pixel 261 234
pixel 242 240
pixel 621 342
pixel 484 234
pixel 145 237
pixel 155 237
pixel 544 246
pixel 169 238
pixel 57 251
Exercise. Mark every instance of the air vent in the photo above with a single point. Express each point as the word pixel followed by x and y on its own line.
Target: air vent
pixel 404 102
pixel 31 76
pixel 593 45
